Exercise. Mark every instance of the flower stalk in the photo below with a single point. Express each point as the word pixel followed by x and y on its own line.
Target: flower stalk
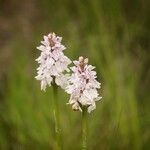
pixel 56 118
pixel 84 128
pixel 51 71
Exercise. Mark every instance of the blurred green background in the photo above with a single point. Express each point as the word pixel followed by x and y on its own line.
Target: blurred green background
pixel 114 34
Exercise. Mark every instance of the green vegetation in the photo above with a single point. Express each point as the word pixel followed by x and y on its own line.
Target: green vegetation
pixel 114 35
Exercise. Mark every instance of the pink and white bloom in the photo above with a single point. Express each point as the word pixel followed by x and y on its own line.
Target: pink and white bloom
pixel 83 86
pixel 52 62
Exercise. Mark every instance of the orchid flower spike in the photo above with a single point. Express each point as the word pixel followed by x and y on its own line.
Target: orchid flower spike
pixel 83 86
pixel 52 62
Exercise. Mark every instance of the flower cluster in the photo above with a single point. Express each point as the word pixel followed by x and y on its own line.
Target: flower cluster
pixel 53 65
pixel 52 62
pixel 83 86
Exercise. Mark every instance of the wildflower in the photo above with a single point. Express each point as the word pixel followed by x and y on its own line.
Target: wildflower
pixel 83 86
pixel 52 62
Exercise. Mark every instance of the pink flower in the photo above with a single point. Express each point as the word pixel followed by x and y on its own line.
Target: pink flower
pixel 52 61
pixel 83 86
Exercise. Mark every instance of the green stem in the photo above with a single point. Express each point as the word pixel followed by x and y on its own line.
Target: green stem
pixel 84 128
pixel 57 118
